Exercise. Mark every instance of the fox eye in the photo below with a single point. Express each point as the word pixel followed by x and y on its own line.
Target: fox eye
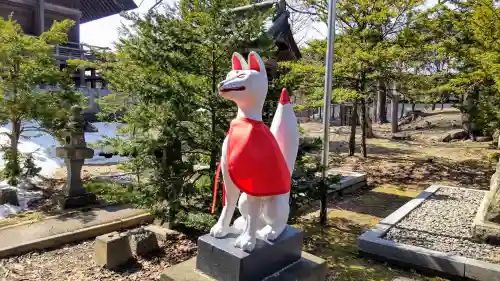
pixel 240 75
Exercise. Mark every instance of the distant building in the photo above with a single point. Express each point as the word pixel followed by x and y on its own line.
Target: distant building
pixel 280 31
pixel 37 16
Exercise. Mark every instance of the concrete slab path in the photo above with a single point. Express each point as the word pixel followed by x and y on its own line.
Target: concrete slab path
pixel 59 230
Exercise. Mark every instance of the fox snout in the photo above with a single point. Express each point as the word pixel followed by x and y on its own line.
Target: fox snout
pixel 231 85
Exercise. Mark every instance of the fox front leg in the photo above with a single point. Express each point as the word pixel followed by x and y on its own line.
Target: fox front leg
pixel 221 228
pixel 247 240
pixel 275 212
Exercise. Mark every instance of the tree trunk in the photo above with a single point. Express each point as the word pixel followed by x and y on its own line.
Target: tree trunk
pixel 320 117
pixel 363 127
pixel 413 104
pixel 394 113
pixel 433 106
pixel 374 108
pixel 12 167
pixel 442 104
pixel 368 122
pixel 352 137
pixel 382 102
pixel 333 113
pixel 470 114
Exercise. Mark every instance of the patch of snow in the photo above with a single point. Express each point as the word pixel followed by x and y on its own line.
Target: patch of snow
pixel 8 209
pixel 23 196
pixel 43 146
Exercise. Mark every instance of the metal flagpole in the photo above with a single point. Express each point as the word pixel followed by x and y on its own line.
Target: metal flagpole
pixel 327 102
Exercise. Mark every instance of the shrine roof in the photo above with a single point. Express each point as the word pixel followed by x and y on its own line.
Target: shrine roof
pixel 96 9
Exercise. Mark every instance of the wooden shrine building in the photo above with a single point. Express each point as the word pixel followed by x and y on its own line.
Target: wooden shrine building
pixel 37 16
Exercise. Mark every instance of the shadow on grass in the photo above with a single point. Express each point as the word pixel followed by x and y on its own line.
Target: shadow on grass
pixel 377 204
pixel 336 243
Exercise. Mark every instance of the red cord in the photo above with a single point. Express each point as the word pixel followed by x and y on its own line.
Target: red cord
pixel 216 185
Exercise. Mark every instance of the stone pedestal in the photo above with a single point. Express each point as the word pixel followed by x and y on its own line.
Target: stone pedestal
pixel 74 152
pixel 76 201
pixel 219 260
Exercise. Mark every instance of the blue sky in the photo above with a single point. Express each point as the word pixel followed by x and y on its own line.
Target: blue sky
pixel 104 32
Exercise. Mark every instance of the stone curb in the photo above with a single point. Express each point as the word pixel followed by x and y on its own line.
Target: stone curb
pixel 372 243
pixel 70 212
pixel 76 235
pixel 354 182
pixel 481 227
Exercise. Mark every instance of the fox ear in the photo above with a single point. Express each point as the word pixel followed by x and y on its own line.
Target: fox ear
pixel 255 62
pixel 238 62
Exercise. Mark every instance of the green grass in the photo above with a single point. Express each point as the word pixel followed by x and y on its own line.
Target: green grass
pixel 112 193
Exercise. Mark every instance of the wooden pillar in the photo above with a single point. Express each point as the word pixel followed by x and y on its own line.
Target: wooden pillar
pixel 93 78
pixel 77 28
pixel 39 17
pixel 83 84
pixel 342 115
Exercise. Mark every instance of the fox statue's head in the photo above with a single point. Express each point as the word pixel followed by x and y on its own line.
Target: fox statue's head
pixel 246 84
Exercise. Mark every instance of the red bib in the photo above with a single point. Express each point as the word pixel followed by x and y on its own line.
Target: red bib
pixel 254 159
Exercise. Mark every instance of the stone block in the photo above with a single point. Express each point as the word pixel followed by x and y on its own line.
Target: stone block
pixel 219 259
pixel 162 233
pixel 74 153
pixel 9 196
pixel 112 250
pixel 142 242
pixel 72 202
pixel 307 268
pixel 352 188
pixel 407 254
pixel 482 271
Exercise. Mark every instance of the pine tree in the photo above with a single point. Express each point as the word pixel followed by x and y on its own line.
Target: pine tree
pixel 175 119
pixel 26 62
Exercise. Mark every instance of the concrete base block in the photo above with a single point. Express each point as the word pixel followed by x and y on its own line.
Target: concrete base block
pixel 112 250
pixel 220 259
pixel 72 202
pixel 308 268
pixel 352 188
pixel 143 243
pixel 162 233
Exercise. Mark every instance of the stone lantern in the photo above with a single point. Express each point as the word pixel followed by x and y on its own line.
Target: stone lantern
pixel 74 152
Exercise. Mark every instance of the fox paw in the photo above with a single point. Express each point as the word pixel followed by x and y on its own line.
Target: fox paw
pixel 246 242
pixel 219 231
pixel 270 233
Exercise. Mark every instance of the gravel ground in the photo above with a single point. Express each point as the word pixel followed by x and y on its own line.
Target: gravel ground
pixel 75 263
pixel 443 223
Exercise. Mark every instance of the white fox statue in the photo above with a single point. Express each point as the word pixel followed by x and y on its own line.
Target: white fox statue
pixel 257 162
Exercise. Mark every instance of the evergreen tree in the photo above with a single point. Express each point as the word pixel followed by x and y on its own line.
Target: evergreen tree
pixel 26 62
pixel 175 118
